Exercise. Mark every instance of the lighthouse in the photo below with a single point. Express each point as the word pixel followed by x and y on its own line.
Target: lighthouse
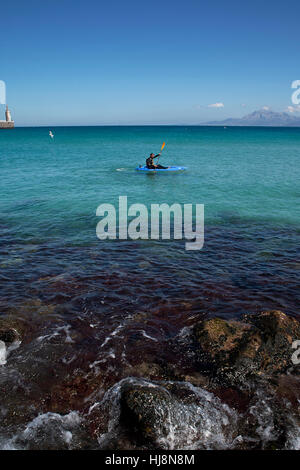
pixel 8 123
pixel 8 115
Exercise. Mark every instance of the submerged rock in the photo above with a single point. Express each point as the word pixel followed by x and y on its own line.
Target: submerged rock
pixel 260 345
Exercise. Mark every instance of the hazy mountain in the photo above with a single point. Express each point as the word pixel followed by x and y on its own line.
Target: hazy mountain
pixel 261 118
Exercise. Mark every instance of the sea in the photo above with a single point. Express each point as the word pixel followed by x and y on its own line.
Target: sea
pixel 91 312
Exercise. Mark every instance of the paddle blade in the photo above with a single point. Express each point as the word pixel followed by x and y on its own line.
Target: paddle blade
pixel 163 146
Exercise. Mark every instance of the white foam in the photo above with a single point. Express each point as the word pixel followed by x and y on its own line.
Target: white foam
pixel 293 435
pixel 46 431
pixel 3 353
pixel 147 336
pixel 65 328
pixel 263 413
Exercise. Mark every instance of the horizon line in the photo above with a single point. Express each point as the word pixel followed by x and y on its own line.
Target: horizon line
pixel 152 125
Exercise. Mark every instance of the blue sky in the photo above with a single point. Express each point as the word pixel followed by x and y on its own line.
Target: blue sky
pixel 135 62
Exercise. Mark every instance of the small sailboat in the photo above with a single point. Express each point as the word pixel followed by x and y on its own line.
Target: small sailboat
pixel 51 134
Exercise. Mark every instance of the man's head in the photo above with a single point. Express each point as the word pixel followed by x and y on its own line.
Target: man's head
pixel 151 154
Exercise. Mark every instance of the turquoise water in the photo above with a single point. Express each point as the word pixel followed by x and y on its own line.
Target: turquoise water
pixel 247 178
pixel 50 189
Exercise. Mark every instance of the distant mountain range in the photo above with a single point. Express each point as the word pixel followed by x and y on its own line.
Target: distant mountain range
pixel 261 118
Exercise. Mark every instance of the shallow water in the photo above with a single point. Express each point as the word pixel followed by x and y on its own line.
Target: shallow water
pixel 95 312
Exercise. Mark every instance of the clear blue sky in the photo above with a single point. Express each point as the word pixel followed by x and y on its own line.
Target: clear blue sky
pixel 125 62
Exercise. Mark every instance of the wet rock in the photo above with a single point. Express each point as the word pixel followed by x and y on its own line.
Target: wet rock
pixel 277 332
pixel 9 335
pixel 220 343
pixel 145 410
pixel 10 330
pixel 175 415
pixel 260 345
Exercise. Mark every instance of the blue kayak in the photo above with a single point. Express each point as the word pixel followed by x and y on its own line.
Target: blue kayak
pixel 171 168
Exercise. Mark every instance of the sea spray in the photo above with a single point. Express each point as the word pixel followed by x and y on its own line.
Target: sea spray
pixel 3 353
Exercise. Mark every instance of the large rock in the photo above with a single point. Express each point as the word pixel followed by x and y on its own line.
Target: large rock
pixel 175 415
pixel 260 345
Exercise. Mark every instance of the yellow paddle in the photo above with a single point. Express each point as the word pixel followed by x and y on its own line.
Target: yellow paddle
pixel 162 147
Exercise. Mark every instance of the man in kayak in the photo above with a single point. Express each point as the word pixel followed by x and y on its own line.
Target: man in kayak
pixel 150 164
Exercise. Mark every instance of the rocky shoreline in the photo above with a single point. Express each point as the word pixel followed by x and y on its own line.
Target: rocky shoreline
pixel 243 369
pixel 237 387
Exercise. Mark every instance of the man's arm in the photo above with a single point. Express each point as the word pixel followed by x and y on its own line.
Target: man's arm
pixel 157 155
